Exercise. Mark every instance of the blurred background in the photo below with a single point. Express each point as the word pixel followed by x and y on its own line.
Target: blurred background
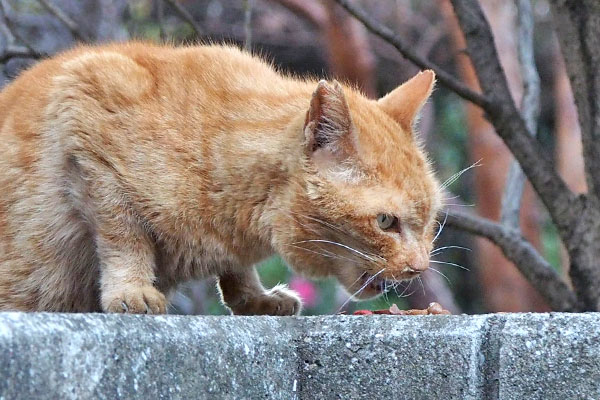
pixel 469 275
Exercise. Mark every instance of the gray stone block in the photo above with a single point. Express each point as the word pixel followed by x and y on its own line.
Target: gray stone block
pixel 97 356
pixel 550 356
pixel 387 357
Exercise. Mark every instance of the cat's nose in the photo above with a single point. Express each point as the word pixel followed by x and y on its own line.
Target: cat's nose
pixel 419 263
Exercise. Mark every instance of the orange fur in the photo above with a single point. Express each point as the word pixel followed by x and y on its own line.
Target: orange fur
pixel 129 168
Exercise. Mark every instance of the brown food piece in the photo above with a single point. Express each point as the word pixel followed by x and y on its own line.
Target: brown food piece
pixel 436 309
pixel 384 311
pixel 433 309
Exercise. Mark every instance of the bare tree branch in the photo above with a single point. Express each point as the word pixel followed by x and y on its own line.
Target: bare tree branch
pixel 186 16
pixel 518 250
pixel 561 203
pixel 17 51
pixel 388 35
pixel 314 12
pixel 65 19
pixel 578 27
pixel 530 109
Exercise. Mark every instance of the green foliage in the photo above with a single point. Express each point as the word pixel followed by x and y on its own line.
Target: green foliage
pixel 273 272
pixel 550 242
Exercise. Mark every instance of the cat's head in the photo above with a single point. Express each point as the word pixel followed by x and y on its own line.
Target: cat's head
pixel 368 199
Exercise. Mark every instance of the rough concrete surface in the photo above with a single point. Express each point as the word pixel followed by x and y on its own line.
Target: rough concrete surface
pixel 97 356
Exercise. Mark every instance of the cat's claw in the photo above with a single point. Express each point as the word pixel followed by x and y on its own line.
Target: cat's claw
pixel 137 300
pixel 278 301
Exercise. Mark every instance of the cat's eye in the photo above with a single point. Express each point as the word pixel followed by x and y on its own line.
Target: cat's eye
pixel 387 221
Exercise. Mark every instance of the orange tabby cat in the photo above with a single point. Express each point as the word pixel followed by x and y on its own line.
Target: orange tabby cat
pixel 129 168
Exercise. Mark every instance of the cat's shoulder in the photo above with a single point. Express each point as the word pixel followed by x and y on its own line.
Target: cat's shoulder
pixel 132 68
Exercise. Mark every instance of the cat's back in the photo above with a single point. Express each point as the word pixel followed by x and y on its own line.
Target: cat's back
pixel 191 90
pixel 132 70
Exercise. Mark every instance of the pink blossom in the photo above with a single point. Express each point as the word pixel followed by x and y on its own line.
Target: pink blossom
pixel 306 289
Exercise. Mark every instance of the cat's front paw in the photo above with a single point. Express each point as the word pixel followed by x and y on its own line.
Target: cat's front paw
pixel 135 300
pixel 278 301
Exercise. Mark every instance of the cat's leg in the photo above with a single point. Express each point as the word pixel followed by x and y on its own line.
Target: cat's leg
pixel 243 293
pixel 125 252
pixel 127 265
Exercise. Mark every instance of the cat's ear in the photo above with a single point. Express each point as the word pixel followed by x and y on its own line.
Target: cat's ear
pixel 404 103
pixel 328 119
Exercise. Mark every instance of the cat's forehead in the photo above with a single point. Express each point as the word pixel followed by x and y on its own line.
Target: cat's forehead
pixel 398 167
pixel 385 148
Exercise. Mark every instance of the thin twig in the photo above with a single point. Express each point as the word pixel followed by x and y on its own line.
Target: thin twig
pixel 530 109
pixel 6 31
pixel 518 250
pixel 185 15
pixel 160 16
pixel 562 204
pixel 13 50
pixel 14 34
pixel 407 51
pixel 65 19
pixel 248 24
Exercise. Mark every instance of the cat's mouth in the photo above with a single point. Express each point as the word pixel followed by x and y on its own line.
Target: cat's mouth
pixel 372 282
pixel 381 284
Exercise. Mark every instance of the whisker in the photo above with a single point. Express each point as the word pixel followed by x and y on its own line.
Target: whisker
pixel 385 289
pixel 449 263
pixel 396 284
pixel 421 282
pixel 308 227
pixel 337 244
pixel 442 225
pixel 363 253
pixel 435 252
pixel 457 175
pixel 451 198
pixel 361 289
pixel 358 279
pixel 406 288
pixel 320 248
pixel 330 255
pixel 319 221
pixel 402 295
pixel 439 272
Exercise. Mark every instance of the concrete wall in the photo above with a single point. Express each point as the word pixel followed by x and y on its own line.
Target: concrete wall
pixel 95 356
